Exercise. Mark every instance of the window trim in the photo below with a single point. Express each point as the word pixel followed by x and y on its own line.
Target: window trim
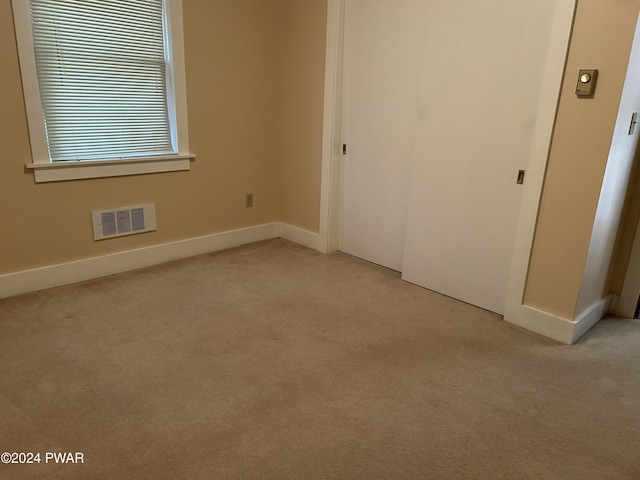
pixel 46 171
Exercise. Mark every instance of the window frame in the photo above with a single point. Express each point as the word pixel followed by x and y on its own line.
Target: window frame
pixel 46 171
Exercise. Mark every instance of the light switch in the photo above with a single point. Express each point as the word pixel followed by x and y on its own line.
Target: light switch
pixel 586 83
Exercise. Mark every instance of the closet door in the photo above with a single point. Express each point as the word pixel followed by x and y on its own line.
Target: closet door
pixel 383 48
pixel 481 84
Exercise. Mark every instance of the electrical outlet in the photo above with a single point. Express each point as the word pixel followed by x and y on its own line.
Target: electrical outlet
pixel 248 200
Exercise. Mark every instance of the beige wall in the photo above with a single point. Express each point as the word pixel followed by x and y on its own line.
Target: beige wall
pixel 305 38
pixel 240 114
pixel 602 39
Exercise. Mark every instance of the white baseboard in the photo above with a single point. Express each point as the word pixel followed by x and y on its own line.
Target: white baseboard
pixel 558 328
pixel 543 323
pixel 87 269
pixel 590 317
pixel 301 237
pixel 63 274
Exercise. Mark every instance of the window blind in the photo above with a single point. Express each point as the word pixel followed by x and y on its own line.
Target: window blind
pixel 102 78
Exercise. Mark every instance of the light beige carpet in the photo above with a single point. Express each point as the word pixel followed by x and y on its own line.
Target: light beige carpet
pixel 271 361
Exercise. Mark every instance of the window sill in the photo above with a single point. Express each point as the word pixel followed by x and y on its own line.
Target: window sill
pixel 57 172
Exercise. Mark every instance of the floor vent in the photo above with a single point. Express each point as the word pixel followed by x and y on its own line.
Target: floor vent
pixel 123 221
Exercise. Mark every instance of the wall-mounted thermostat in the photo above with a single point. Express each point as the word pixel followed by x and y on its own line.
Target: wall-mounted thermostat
pixel 586 83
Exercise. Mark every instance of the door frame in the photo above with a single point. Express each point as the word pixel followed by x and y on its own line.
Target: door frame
pixel 331 175
pixel 630 296
pixel 515 311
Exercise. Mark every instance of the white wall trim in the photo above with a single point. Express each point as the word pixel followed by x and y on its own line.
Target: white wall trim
pixel 515 311
pixel 626 307
pixel 60 171
pixel 543 323
pixel 558 328
pixel 590 317
pixel 63 274
pixel 331 129
pixel 26 281
pixel 301 237
pixel 87 269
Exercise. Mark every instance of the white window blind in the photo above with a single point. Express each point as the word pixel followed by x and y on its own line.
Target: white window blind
pixel 102 76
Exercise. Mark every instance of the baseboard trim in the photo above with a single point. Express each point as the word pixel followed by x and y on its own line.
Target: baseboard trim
pixel 590 317
pixel 543 323
pixel 301 236
pixel 558 328
pixel 80 270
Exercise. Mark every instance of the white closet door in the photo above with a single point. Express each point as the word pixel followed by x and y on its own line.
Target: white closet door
pixel 383 49
pixel 481 84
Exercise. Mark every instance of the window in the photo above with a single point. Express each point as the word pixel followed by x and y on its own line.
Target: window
pixel 104 86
